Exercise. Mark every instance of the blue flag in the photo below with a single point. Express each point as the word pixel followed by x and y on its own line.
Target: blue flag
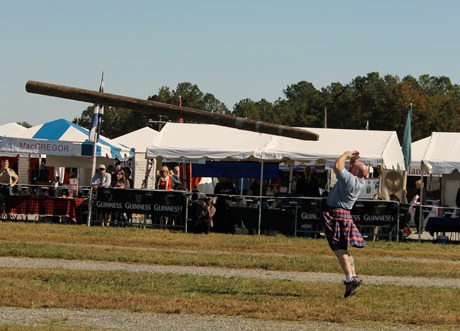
pixel 407 140
pixel 95 128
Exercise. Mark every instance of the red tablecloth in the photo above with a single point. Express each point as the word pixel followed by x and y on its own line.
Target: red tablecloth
pixel 43 206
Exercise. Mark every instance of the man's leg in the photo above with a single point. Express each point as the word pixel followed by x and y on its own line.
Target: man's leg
pixel 344 259
pixel 347 264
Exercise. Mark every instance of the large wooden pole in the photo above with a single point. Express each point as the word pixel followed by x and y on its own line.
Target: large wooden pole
pixel 171 111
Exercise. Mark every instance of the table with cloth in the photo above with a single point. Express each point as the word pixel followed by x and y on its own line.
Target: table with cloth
pixel 442 224
pixel 43 206
pixel 272 219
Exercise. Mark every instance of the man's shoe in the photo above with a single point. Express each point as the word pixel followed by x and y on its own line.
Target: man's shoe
pixel 350 287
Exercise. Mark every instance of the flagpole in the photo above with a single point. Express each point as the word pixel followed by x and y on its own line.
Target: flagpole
pixel 94 135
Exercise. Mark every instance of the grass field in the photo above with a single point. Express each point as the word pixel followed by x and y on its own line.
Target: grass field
pixel 264 299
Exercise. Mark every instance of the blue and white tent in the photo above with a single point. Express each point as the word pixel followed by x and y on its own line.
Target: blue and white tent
pixel 64 144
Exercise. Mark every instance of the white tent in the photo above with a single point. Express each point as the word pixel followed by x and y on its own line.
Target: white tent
pixel 442 154
pixel 375 147
pixel 11 129
pixel 418 149
pixel 205 141
pixel 139 139
pixel 198 142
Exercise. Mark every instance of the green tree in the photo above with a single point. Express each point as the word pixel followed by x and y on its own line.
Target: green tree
pixel 305 101
pixel 24 124
pixel 247 108
pixel 338 103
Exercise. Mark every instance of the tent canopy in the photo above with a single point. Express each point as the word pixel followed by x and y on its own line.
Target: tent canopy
pixel 139 139
pixel 64 131
pixel 375 147
pixel 11 129
pixel 199 142
pixel 418 149
pixel 65 144
pixel 442 153
pixel 212 142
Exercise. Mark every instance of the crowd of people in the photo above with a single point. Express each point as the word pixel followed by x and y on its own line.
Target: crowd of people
pixel 117 178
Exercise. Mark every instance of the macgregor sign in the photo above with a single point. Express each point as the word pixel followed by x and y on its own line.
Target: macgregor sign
pixel 36 146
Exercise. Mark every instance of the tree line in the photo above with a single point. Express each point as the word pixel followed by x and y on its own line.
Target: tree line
pixel 381 103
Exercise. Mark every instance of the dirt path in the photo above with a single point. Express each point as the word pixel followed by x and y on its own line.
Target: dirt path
pixel 119 320
pixel 221 272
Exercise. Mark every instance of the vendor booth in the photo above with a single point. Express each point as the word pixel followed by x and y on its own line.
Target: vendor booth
pixel 64 145
pixel 200 143
pixel 442 156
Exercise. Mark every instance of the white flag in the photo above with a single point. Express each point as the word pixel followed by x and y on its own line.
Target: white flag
pixel 95 128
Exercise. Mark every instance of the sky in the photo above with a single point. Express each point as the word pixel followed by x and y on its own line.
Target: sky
pixel 232 49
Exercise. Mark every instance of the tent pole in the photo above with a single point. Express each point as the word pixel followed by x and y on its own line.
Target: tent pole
pixel 260 195
pixel 291 173
pixel 420 216
pixel 93 171
pixel 184 174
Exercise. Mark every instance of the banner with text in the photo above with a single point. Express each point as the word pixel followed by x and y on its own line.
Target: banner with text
pixel 140 201
pixel 364 212
pixel 36 146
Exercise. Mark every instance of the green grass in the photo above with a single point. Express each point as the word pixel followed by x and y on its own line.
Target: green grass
pixel 146 246
pixel 264 299
pixel 256 298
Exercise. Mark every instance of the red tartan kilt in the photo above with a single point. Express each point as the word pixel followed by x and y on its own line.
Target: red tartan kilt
pixel 333 219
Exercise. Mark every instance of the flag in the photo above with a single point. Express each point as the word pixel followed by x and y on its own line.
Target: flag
pixel 95 128
pixel 407 140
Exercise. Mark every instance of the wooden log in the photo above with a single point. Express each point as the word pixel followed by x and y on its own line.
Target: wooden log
pixel 164 109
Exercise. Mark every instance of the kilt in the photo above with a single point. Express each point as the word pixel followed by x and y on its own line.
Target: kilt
pixel 339 227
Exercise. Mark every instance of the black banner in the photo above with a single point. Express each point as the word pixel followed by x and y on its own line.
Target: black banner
pixel 140 201
pixel 364 212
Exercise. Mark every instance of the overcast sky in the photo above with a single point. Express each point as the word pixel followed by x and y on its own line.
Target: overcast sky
pixel 233 49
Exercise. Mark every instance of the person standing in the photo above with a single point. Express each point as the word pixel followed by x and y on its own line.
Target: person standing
pixel 164 181
pixel 175 178
pixel 224 189
pixel 417 205
pixel 308 185
pixel 102 179
pixel 338 225
pixel 121 182
pixel 204 217
pixel 8 179
pixel 113 173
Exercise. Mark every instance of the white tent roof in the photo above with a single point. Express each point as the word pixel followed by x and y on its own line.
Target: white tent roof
pixel 11 129
pixel 206 141
pixel 375 147
pixel 443 153
pixel 418 149
pixel 139 139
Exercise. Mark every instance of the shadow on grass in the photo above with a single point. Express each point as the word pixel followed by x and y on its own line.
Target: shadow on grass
pixel 230 292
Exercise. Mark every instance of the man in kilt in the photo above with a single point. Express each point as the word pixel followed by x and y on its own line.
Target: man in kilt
pixel 338 225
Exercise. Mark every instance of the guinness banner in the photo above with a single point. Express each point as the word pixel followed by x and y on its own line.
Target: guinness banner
pixel 140 201
pixel 364 212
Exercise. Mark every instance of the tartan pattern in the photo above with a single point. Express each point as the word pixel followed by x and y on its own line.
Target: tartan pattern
pixel 338 225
